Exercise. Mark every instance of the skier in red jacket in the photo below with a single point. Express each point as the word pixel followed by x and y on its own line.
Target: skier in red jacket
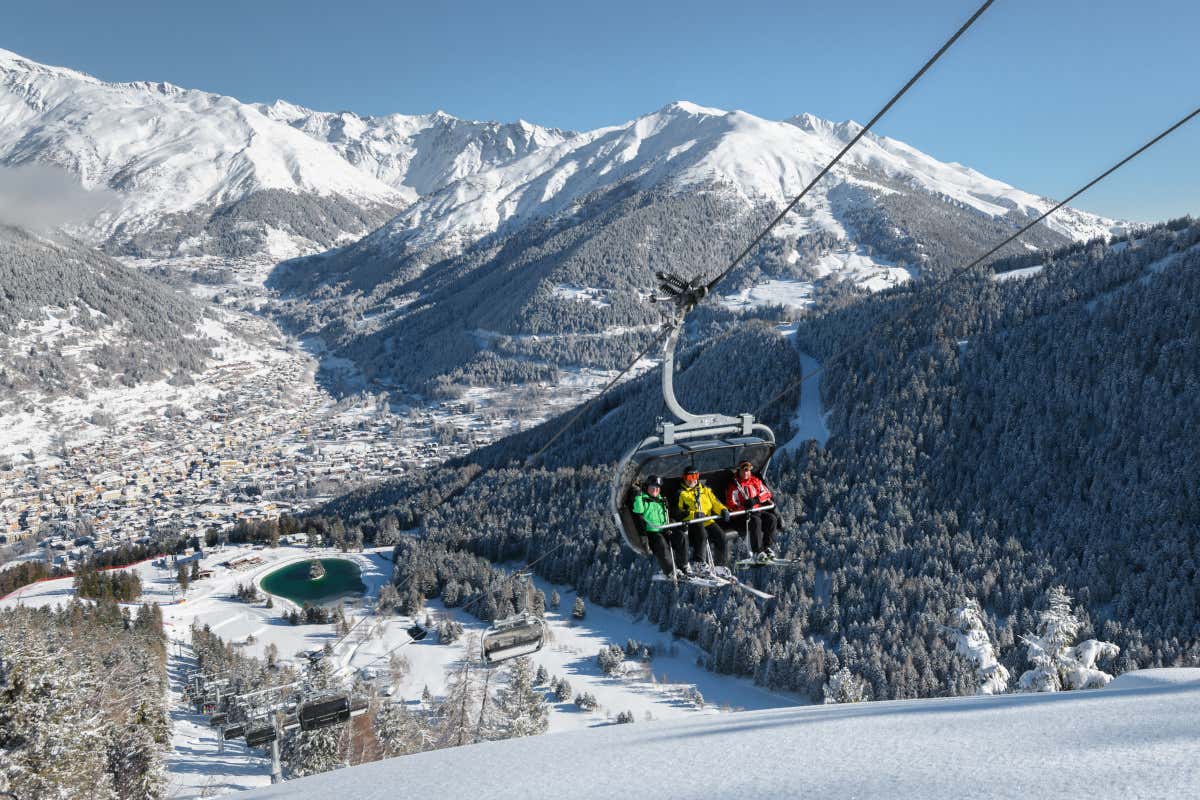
pixel 748 493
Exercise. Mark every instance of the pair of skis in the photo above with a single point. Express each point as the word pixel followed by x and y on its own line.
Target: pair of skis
pixel 746 563
pixel 718 581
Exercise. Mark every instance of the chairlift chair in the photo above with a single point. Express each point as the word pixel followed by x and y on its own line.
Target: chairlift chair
pixel 261 734
pixel 513 637
pixel 234 731
pixel 711 444
pixel 323 713
pixel 416 632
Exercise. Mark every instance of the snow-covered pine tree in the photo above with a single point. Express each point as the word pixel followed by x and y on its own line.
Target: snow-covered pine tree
pixel 580 609
pixel 971 640
pixel 1057 664
pixel 522 706
pixel 400 731
pixel 136 763
pixel 492 722
pixel 611 659
pixel 845 687
pixel 456 716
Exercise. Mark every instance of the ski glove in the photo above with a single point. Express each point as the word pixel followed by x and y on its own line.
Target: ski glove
pixel 724 515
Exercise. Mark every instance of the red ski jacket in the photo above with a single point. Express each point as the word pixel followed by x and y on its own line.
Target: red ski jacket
pixel 750 489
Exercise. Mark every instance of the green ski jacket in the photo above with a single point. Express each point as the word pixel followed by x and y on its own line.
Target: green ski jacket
pixel 652 510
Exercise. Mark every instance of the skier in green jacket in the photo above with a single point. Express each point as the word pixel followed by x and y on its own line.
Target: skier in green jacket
pixel 650 509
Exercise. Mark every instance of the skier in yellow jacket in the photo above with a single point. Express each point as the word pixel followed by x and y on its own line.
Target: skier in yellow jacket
pixel 696 500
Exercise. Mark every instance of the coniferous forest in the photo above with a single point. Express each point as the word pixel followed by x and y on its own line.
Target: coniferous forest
pixel 83 701
pixel 990 439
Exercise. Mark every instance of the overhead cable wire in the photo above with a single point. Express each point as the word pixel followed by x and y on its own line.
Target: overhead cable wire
pixel 872 332
pixel 878 116
pixel 754 243
pixel 654 342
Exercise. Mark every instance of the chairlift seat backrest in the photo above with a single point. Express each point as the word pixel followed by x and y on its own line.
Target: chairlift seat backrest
pixel 323 713
pixel 513 637
pixel 417 633
pixel 258 736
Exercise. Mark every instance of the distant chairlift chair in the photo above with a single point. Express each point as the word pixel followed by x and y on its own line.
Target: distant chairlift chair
pixel 513 637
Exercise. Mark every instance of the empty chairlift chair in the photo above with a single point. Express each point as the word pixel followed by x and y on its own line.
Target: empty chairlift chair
pixel 513 637
pixel 260 734
pixel 324 712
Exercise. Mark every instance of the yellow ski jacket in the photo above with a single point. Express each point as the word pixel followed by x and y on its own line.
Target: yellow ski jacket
pixel 698 501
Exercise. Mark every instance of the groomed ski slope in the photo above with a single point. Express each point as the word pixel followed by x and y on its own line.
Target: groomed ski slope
pixel 1140 737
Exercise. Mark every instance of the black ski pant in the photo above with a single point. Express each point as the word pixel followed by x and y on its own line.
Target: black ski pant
pixel 714 534
pixel 660 541
pixel 760 527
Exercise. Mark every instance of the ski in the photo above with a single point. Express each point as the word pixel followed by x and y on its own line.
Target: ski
pixel 696 580
pixel 759 593
pixel 718 581
pixel 745 563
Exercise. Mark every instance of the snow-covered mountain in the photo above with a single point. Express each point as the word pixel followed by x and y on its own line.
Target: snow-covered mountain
pixel 201 173
pixel 567 237
pixel 418 154
pixel 178 156
pixel 1135 739
pixel 686 147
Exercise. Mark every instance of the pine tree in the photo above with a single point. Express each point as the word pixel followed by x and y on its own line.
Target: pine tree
pixel 845 687
pixel 1057 664
pixel 400 731
pixel 456 717
pixel 523 707
pixel 580 610
pixel 972 641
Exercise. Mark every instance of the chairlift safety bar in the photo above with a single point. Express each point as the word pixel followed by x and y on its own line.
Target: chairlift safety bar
pixel 715 516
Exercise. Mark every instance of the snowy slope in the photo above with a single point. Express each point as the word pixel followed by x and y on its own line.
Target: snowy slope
pixel 417 154
pixel 690 147
pixel 164 149
pixel 1136 739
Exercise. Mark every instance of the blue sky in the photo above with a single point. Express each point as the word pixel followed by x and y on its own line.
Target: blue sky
pixel 1043 95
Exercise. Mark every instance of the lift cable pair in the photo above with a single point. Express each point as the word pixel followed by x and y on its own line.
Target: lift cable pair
pixel 872 332
pixel 692 291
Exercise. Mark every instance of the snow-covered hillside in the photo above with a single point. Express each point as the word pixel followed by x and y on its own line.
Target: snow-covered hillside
pixel 1138 738
pixel 418 154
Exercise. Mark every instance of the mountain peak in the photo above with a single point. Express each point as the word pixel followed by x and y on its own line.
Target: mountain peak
pixel 694 109
pixel 16 62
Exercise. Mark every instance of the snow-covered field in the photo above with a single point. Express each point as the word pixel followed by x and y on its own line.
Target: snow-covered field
pixel 657 690
pixel 1138 738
